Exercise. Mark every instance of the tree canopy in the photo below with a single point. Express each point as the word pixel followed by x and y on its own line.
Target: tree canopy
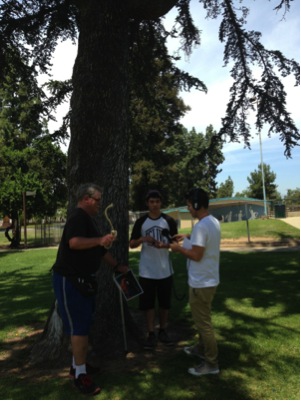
pixel 255 189
pixel 33 29
pixel 226 189
pixel 30 161
pixel 292 197
pixel 175 164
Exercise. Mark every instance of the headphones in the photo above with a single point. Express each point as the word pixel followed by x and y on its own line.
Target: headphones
pixel 195 195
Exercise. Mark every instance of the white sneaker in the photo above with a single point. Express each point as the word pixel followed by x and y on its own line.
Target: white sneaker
pixel 203 369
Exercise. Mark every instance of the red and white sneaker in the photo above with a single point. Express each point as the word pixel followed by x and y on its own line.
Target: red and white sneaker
pixel 86 385
pixel 91 370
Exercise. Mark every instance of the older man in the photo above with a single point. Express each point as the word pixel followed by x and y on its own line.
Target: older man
pixel 79 256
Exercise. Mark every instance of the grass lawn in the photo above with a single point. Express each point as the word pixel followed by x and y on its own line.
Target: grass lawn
pixel 255 313
pixel 272 228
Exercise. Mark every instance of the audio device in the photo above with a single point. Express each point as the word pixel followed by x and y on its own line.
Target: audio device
pixel 166 234
pixel 196 198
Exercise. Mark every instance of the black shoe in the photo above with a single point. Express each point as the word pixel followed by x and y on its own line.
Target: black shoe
pixel 86 385
pixel 150 342
pixel 163 338
pixel 91 370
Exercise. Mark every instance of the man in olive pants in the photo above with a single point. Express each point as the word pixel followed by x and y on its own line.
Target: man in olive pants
pixel 202 250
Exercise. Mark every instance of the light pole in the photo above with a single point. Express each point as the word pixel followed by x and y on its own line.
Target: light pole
pixel 254 100
pixel 26 193
pixel 263 177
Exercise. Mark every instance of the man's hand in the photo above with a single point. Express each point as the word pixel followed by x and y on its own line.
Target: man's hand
pixel 161 245
pixel 175 247
pixel 122 268
pixel 180 237
pixel 107 240
pixel 150 240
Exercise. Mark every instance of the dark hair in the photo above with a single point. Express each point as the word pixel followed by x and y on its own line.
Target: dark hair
pixel 153 193
pixel 198 198
pixel 87 189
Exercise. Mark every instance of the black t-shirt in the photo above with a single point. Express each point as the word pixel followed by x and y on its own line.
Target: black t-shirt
pixel 80 263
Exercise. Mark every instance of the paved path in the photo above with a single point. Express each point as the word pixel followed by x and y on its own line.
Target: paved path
pixel 293 221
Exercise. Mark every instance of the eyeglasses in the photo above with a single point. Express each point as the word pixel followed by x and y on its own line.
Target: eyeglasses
pixel 96 199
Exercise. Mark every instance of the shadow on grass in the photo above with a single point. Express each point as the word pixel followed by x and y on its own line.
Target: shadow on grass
pixel 258 294
pixel 285 237
pixel 25 297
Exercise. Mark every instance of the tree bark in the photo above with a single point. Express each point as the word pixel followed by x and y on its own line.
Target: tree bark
pixel 98 152
pixel 98 149
pixel 150 9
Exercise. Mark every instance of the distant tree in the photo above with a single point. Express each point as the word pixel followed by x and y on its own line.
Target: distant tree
pixel 292 197
pixel 242 194
pixel 225 190
pixel 196 160
pixel 29 160
pixel 255 189
pixel 183 160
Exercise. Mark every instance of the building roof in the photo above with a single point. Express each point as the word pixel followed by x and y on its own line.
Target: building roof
pixel 221 202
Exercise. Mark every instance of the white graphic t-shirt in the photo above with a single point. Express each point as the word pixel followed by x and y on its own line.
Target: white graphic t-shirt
pixel 154 263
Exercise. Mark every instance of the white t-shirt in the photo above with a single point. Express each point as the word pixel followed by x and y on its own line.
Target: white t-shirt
pixel 205 273
pixel 154 263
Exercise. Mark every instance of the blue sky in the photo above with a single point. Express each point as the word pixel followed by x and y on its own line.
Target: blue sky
pixel 206 63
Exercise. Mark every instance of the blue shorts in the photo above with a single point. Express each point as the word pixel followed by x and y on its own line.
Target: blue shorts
pixel 76 310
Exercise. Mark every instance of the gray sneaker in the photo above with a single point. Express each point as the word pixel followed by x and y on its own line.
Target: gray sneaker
pixel 193 350
pixel 203 369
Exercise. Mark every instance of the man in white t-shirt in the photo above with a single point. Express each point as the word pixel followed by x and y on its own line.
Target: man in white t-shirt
pixel 202 250
pixel 153 232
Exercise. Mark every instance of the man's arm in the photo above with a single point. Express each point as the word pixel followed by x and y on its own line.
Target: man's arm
pixel 82 243
pixel 195 253
pixel 134 243
pixel 112 262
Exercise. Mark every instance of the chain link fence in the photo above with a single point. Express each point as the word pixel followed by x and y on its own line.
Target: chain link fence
pixel 50 233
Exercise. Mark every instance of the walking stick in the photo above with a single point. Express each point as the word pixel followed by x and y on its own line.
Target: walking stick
pixel 114 233
pixel 123 322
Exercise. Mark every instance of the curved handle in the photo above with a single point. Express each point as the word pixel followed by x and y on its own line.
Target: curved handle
pixel 113 231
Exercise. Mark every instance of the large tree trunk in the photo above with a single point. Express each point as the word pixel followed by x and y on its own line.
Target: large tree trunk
pixel 98 149
pixel 98 153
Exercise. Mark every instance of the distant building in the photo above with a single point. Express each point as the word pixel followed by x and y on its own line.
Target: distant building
pixel 225 210
pixel 236 209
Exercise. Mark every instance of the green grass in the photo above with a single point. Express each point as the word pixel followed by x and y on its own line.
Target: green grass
pixel 271 228
pixel 260 228
pixel 255 313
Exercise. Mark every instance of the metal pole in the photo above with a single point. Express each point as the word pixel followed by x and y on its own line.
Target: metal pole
pixel 247 221
pixel 24 217
pixel 255 100
pixel 263 178
pixel 123 322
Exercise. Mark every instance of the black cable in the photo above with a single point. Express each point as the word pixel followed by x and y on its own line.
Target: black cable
pixel 177 297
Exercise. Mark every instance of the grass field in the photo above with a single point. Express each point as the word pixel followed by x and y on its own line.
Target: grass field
pixel 271 229
pixel 255 313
